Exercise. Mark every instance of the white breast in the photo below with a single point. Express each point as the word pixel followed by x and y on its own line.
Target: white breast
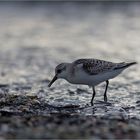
pixel 81 77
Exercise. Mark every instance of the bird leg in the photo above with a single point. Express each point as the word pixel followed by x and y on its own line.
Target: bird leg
pixel 105 93
pixel 93 95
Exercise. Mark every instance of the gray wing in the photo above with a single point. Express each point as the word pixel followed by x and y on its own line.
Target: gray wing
pixel 95 66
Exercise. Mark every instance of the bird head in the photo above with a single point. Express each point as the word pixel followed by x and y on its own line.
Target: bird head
pixel 60 72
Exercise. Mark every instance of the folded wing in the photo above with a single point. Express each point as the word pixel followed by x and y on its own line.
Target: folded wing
pixel 95 66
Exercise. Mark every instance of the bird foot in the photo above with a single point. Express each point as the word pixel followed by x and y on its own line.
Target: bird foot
pixel 105 99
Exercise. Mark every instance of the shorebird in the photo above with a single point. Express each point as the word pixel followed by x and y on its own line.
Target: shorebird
pixel 89 72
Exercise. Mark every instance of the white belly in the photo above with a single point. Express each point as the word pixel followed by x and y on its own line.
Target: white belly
pixel 81 77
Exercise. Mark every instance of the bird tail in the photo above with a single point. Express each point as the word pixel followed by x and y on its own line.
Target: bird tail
pixel 125 65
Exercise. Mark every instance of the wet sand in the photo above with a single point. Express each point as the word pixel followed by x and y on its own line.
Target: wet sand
pixel 34 39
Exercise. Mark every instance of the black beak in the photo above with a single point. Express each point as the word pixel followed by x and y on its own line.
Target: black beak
pixel 52 81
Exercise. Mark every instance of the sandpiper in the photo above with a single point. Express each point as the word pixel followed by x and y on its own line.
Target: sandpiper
pixel 89 72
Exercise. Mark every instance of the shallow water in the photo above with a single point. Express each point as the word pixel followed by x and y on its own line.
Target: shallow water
pixel 37 38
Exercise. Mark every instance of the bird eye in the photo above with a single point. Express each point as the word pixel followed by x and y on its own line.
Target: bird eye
pixel 58 71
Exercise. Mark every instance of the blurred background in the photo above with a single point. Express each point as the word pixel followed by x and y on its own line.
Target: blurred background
pixel 37 36
pixel 65 31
